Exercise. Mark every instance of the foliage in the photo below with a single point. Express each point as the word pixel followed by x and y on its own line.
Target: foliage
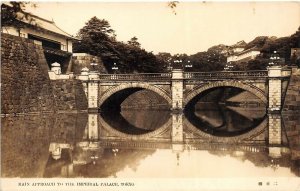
pixel 10 11
pixel 259 63
pixel 165 60
pixel 211 60
pixel 257 42
pixel 134 42
pixel 97 38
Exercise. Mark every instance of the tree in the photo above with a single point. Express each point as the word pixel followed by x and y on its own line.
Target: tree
pixel 95 28
pixel 165 60
pixel 134 42
pixel 10 11
pixel 211 60
pixel 97 38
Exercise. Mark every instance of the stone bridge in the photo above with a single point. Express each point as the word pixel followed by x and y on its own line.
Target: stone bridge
pixel 180 88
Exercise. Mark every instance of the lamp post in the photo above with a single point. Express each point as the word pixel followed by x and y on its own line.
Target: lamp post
pixel 115 68
pixel 169 68
pixel 177 62
pixel 188 65
pixel 274 59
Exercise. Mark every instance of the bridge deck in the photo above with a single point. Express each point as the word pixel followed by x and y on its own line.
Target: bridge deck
pixel 255 74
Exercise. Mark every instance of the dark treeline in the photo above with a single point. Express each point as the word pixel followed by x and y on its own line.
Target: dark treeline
pixel 97 38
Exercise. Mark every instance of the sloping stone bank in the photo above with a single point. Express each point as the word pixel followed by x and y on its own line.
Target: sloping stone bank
pixel 25 85
pixel 292 98
pixel 81 60
pixel 69 95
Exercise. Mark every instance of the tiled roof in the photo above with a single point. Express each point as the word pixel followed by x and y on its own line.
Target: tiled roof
pixel 39 22
pixel 42 23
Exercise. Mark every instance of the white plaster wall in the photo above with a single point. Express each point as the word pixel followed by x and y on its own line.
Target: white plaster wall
pixel 10 30
pixel 251 54
pixel 238 49
pixel 24 33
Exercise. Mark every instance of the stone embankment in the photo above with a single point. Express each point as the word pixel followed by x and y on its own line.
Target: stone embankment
pixel 81 60
pixel 69 95
pixel 292 98
pixel 25 84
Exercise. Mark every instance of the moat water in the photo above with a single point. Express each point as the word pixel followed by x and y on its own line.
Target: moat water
pixel 139 143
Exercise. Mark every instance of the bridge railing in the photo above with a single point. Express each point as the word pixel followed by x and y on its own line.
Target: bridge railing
pixel 137 77
pixel 286 72
pixel 227 74
pixel 253 74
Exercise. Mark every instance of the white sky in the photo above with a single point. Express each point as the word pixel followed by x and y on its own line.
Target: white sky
pixel 196 27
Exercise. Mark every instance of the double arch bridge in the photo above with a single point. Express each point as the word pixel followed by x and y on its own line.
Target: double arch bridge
pixel 180 88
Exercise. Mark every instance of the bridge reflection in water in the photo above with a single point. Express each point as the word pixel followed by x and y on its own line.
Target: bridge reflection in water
pixel 91 145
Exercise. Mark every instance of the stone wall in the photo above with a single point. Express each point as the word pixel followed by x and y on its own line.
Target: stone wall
pixel 81 60
pixel 25 85
pixel 292 98
pixel 69 95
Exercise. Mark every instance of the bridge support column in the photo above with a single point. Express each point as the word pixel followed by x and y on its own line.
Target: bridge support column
pixel 177 128
pixel 177 89
pixel 275 135
pixel 274 74
pixel 93 129
pixel 177 134
pixel 93 91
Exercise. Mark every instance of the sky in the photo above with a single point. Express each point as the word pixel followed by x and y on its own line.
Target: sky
pixel 196 26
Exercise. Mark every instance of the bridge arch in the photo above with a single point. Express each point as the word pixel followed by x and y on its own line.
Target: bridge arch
pixel 245 86
pixel 121 87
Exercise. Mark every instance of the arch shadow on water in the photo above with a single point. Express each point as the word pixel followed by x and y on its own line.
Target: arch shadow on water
pixel 135 120
pixel 134 132
pixel 120 123
pixel 211 113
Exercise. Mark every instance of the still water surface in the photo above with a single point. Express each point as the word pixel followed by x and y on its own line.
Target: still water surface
pixel 147 143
